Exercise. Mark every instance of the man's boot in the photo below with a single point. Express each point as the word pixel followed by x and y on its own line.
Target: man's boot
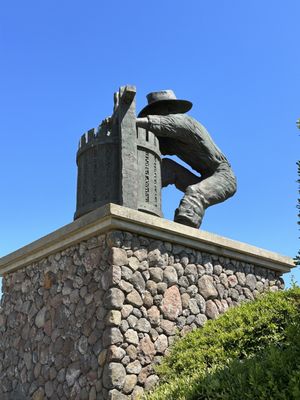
pixel 191 209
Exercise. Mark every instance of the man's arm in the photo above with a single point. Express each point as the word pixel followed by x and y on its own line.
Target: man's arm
pixel 142 123
pixel 175 126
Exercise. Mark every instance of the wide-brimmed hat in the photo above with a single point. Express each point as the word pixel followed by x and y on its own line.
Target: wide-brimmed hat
pixel 164 101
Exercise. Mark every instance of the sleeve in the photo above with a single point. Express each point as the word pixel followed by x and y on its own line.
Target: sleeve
pixel 172 125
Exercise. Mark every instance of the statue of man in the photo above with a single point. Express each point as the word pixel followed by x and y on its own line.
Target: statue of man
pixel 183 136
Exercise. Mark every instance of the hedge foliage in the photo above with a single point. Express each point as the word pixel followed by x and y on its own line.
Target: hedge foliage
pixel 250 352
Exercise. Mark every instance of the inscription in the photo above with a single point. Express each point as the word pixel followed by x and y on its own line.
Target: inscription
pixel 85 177
pixel 94 184
pixel 109 160
pixel 147 194
pixel 155 182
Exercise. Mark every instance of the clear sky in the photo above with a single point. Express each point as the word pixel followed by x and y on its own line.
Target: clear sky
pixel 237 61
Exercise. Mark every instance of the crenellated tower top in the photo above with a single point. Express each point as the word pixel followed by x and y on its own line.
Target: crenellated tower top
pixel 118 162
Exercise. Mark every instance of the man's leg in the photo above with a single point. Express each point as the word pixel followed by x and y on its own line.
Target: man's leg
pixel 212 190
pixel 173 173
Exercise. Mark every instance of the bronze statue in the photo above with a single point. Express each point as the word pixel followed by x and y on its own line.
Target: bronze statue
pixel 183 136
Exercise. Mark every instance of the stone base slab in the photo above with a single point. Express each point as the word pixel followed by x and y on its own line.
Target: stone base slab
pixel 112 216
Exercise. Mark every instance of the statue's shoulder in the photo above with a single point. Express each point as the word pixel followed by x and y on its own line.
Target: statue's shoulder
pixel 182 118
pixel 190 122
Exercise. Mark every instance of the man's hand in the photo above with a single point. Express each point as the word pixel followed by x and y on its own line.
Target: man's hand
pixel 142 122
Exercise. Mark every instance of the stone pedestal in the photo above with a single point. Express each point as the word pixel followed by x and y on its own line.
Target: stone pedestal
pixel 89 310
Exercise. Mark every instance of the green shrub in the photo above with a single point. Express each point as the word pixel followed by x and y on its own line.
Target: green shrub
pixel 272 374
pixel 251 352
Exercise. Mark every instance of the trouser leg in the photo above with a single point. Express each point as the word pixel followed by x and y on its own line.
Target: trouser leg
pixel 173 173
pixel 211 190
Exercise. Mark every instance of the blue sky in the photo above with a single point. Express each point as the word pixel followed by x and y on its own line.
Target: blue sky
pixel 237 61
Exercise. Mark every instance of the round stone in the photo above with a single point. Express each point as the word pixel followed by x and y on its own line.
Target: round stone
pixel 112 336
pixel 40 317
pixel 72 374
pixel 132 321
pixel 156 274
pixel 129 384
pixel 115 353
pixel 114 239
pixel 170 275
pixel 224 280
pixel 131 351
pixel 38 394
pixel 221 290
pixel 146 350
pixel 217 269
pixel 207 288
pixel 211 310
pixel 133 263
pixel 124 325
pixel 168 327
pixel 141 254
pixel 190 319
pixel 171 305
pixel 232 280
pixel 154 258
pixel 49 389
pixel 161 344
pixel 209 269
pixel 143 325
pixel 150 382
pixel 161 287
pixel 147 299
pixel 248 293
pixel 126 273
pixel 185 298
pixel 234 294
pixel 113 318
pixel 114 375
pixel 260 287
pixel 126 310
pixel 137 393
pixel 191 269
pixel 251 281
pixel 192 290
pixel 179 269
pixel 201 319
pixel 154 316
pixel 193 306
pixel 134 367
pixel 134 298
pixel 102 357
pixel 241 277
pixel 152 287
pixel 183 281
pixel 114 298
pixel 131 336
pixel 137 281
pixel 125 286
pixel 82 345
pixel 118 256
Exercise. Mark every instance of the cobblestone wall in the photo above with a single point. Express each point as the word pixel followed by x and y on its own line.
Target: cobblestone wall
pixel 92 321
